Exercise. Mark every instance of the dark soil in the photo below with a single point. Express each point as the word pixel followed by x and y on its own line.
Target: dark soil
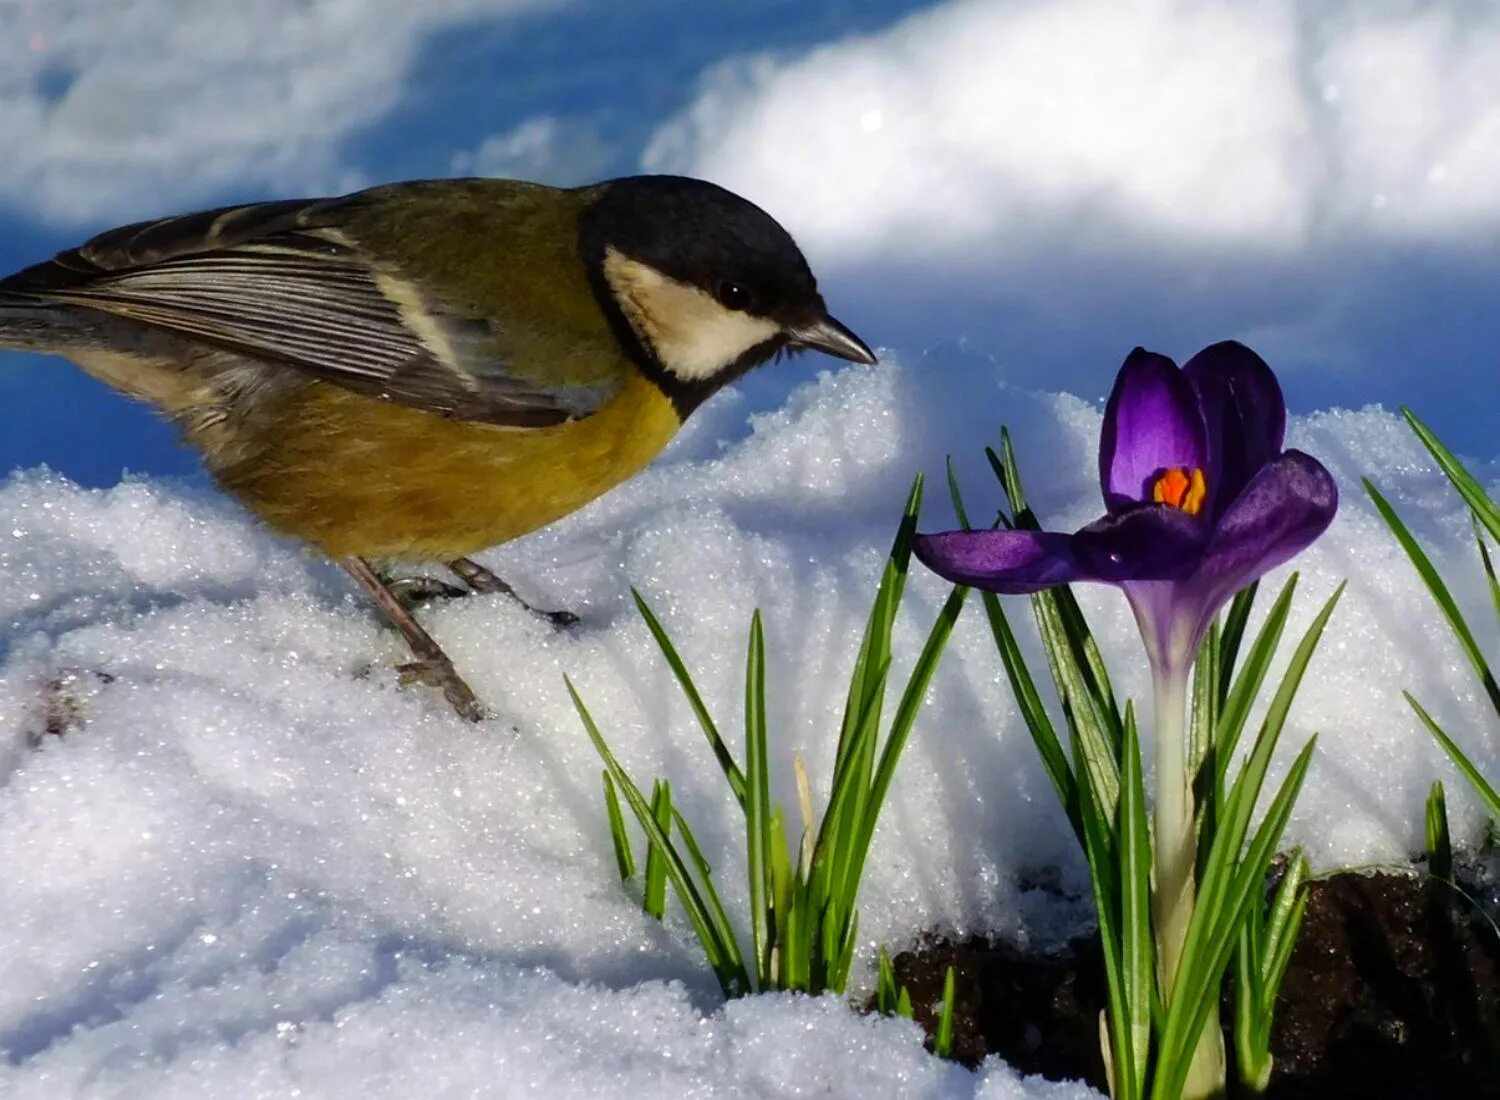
pixel 1394 991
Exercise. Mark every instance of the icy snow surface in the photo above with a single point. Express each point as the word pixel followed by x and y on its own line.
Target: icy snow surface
pixel 260 868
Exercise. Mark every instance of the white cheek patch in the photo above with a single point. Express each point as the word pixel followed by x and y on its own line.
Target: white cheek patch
pixel 692 335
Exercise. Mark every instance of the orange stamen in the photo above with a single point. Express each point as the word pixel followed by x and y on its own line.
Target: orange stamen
pixel 1179 488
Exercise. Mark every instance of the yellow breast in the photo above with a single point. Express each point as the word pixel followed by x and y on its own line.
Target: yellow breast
pixel 362 477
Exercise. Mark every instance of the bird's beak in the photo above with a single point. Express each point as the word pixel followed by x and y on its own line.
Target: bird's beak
pixel 827 335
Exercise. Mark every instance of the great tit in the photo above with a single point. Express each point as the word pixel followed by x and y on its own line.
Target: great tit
pixel 422 370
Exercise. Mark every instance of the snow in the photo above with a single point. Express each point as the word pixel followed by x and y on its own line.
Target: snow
pixel 256 866
pixel 261 868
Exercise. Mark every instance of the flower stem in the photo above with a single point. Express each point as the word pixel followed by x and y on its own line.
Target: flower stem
pixel 1175 848
pixel 1176 852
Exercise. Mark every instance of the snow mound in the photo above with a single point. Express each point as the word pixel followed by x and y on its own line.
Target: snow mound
pixel 256 865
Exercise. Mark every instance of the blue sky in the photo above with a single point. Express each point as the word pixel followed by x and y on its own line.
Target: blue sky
pixel 1039 184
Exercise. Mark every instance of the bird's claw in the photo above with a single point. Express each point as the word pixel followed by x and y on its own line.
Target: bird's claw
pixel 438 672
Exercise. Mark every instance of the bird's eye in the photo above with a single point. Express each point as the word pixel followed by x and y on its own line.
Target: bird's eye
pixel 733 296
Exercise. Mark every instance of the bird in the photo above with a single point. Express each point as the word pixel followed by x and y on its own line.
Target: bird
pixel 422 370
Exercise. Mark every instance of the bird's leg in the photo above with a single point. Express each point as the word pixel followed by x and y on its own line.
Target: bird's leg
pixel 432 666
pixel 481 579
pixel 413 591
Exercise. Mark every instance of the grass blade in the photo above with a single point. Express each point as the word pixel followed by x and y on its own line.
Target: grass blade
pixel 654 894
pixel 1033 710
pixel 1023 687
pixel 757 799
pixel 713 904
pixel 1440 593
pixel 885 985
pixel 1247 684
pixel 1487 562
pixel 624 859
pixel 1138 957
pixel 1214 930
pixel 1236 619
pixel 1060 606
pixel 1099 852
pixel 900 731
pixel 1439 841
pixel 1485 510
pixel 942 1042
pixel 695 700
pixel 1203 715
pixel 720 947
pixel 1487 794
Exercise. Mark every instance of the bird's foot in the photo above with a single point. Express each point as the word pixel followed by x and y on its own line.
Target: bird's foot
pixel 415 591
pixel 438 672
pixel 483 580
pixel 560 619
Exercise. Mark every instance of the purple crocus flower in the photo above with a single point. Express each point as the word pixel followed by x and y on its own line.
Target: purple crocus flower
pixel 1200 500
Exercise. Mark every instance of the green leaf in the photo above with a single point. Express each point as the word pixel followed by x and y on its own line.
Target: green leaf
pixel 1033 710
pixel 624 859
pixel 1487 794
pixel 1264 952
pixel 1138 957
pixel 900 731
pixel 1235 621
pixel 875 648
pixel 955 495
pixel 1439 841
pixel 885 984
pixel 1228 884
pixel 1485 510
pixel 1229 888
pixel 1285 919
pixel 1081 706
pixel 838 972
pixel 1066 632
pixel 1247 684
pixel 712 902
pixel 1203 718
pixel 695 700
pixel 782 893
pixel 1028 700
pixel 1099 852
pixel 1487 562
pixel 1440 593
pixel 942 1042
pixel 654 894
pixel 720 947
pixel 757 798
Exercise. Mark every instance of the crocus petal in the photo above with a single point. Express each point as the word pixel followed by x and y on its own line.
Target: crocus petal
pixel 1244 413
pixel 1009 562
pixel 1152 422
pixel 1287 505
pixel 1151 542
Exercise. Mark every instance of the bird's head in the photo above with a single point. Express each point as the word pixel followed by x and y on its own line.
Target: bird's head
pixel 702 285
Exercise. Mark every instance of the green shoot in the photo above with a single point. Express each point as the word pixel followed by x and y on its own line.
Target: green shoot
pixel 803 921
pixel 1439 842
pixel 942 1041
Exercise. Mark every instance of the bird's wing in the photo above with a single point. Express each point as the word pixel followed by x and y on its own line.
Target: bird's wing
pixel 279 282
